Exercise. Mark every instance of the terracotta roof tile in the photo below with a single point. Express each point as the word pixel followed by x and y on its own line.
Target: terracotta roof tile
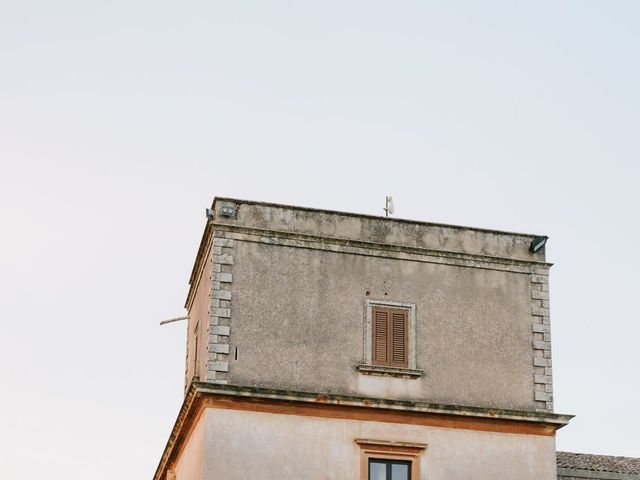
pixel 598 463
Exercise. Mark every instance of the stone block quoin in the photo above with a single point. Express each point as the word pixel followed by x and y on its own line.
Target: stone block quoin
pixel 219 326
pixel 541 335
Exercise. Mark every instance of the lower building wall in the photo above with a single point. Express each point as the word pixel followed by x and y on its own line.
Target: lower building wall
pixel 190 465
pixel 244 444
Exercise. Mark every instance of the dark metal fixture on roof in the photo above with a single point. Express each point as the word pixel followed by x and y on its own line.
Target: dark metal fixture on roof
pixel 538 243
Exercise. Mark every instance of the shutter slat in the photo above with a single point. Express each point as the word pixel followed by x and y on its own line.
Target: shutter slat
pixel 380 335
pixel 399 339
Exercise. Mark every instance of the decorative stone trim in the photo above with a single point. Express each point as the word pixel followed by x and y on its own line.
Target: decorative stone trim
pixel 411 307
pixel 389 371
pixel 381 250
pixel 541 332
pixel 388 443
pixel 406 451
pixel 218 329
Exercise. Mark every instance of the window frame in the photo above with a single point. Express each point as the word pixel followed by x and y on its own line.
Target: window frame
pixel 390 450
pixel 388 466
pixel 410 308
pixel 390 336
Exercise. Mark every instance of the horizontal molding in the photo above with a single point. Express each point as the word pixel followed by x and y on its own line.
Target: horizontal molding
pixel 338 213
pixel 371 249
pixel 388 443
pixel 389 371
pixel 257 393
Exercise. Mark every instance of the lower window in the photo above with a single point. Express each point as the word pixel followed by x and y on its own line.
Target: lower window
pixel 380 469
pixel 389 459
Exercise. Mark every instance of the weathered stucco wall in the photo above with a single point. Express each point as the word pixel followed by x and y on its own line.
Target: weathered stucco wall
pixel 190 464
pixel 240 444
pixel 298 323
pixel 198 325
pixel 281 303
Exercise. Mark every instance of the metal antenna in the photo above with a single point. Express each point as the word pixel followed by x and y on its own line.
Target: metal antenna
pixel 388 206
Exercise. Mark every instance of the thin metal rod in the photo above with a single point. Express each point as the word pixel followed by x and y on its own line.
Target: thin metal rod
pixel 171 320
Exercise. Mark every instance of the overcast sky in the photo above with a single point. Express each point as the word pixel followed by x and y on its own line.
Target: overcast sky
pixel 119 122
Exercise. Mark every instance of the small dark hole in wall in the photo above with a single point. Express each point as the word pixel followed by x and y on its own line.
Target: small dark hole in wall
pixel 385 294
pixel 366 293
pixel 235 356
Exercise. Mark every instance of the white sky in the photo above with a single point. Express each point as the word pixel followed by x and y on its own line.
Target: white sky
pixel 119 122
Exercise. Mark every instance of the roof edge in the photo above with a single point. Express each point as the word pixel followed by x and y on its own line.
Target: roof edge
pixel 210 224
pixel 582 474
pixel 599 466
pixel 365 215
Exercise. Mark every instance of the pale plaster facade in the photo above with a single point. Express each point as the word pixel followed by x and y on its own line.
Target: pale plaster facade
pixel 300 447
pixel 195 456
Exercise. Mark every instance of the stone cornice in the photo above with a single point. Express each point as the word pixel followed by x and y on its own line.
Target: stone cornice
pixel 206 395
pixel 558 420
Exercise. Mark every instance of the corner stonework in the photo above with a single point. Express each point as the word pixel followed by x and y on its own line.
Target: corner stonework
pixel 220 309
pixel 541 329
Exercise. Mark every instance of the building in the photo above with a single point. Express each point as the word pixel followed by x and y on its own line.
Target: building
pixel 579 466
pixel 329 345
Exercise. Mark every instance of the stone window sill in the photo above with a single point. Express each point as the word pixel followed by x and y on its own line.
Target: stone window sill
pixel 389 371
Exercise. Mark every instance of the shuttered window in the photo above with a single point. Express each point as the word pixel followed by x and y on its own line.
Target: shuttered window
pixel 390 336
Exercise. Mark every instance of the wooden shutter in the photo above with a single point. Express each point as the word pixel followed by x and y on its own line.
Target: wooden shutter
pixel 399 338
pixel 380 320
pixel 390 337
